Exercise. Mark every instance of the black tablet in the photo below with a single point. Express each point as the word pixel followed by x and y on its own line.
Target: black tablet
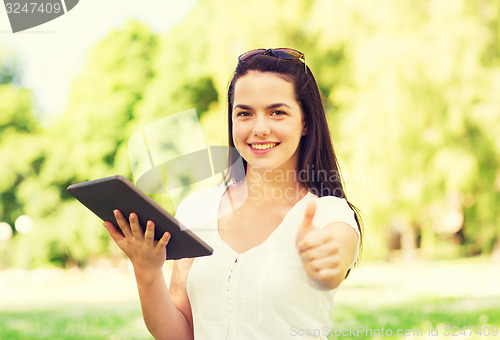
pixel 104 195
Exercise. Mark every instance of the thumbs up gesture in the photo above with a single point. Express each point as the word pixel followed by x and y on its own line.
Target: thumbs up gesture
pixel 319 252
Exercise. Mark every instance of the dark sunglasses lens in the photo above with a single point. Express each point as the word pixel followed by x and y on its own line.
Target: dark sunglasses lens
pixel 250 53
pixel 284 53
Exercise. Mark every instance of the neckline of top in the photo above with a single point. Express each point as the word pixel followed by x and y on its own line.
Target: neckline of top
pixel 263 243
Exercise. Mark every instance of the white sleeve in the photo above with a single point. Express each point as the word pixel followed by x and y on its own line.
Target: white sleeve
pixel 331 209
pixel 182 213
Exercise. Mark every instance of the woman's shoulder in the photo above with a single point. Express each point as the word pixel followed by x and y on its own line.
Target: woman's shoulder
pixel 201 196
pixel 199 207
pixel 334 209
pixel 333 202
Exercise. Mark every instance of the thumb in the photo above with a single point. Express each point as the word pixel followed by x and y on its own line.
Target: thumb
pixel 307 224
pixel 116 235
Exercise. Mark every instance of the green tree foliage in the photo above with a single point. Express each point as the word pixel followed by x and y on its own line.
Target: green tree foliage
pixel 419 116
pixel 18 127
pixel 19 148
pixel 411 93
pixel 87 142
pixel 17 122
pixel 9 69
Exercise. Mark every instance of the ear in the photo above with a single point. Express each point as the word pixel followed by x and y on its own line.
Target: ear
pixel 304 130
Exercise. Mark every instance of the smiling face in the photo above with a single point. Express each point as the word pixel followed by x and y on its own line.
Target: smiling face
pixel 267 121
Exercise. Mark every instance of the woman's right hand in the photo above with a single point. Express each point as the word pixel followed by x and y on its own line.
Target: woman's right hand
pixel 146 254
pixel 163 318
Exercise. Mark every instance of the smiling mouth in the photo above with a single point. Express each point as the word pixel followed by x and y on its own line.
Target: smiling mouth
pixel 263 146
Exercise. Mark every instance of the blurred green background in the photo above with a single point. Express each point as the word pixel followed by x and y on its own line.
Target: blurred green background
pixel 412 93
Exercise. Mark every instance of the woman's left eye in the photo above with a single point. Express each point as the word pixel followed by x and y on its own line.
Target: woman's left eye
pixel 278 113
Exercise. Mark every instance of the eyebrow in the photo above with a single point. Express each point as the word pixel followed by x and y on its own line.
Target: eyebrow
pixel 271 106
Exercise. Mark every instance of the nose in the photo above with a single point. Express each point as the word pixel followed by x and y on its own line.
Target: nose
pixel 261 126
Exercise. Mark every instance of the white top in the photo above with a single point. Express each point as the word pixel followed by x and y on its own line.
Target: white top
pixel 264 292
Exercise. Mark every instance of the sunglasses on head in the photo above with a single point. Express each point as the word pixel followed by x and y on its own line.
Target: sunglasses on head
pixel 280 53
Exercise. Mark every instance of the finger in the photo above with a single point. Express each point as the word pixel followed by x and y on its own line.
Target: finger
pixel 327 274
pixel 113 232
pixel 163 241
pixel 309 214
pixel 314 238
pixel 306 225
pixel 149 234
pixel 122 223
pixel 135 226
pixel 320 251
pixel 321 273
pixel 328 262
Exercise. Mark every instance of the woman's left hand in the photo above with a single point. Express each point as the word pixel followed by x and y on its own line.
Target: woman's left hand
pixel 319 252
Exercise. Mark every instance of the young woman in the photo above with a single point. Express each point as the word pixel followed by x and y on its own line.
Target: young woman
pixel 283 233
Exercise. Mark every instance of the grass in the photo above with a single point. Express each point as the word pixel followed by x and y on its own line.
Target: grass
pixel 448 315
pixel 412 296
pixel 99 303
pixel 123 321
pixel 420 296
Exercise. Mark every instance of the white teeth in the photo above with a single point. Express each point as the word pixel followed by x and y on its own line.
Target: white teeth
pixel 263 146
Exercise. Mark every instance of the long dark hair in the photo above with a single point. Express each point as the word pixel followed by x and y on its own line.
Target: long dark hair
pixel 317 158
